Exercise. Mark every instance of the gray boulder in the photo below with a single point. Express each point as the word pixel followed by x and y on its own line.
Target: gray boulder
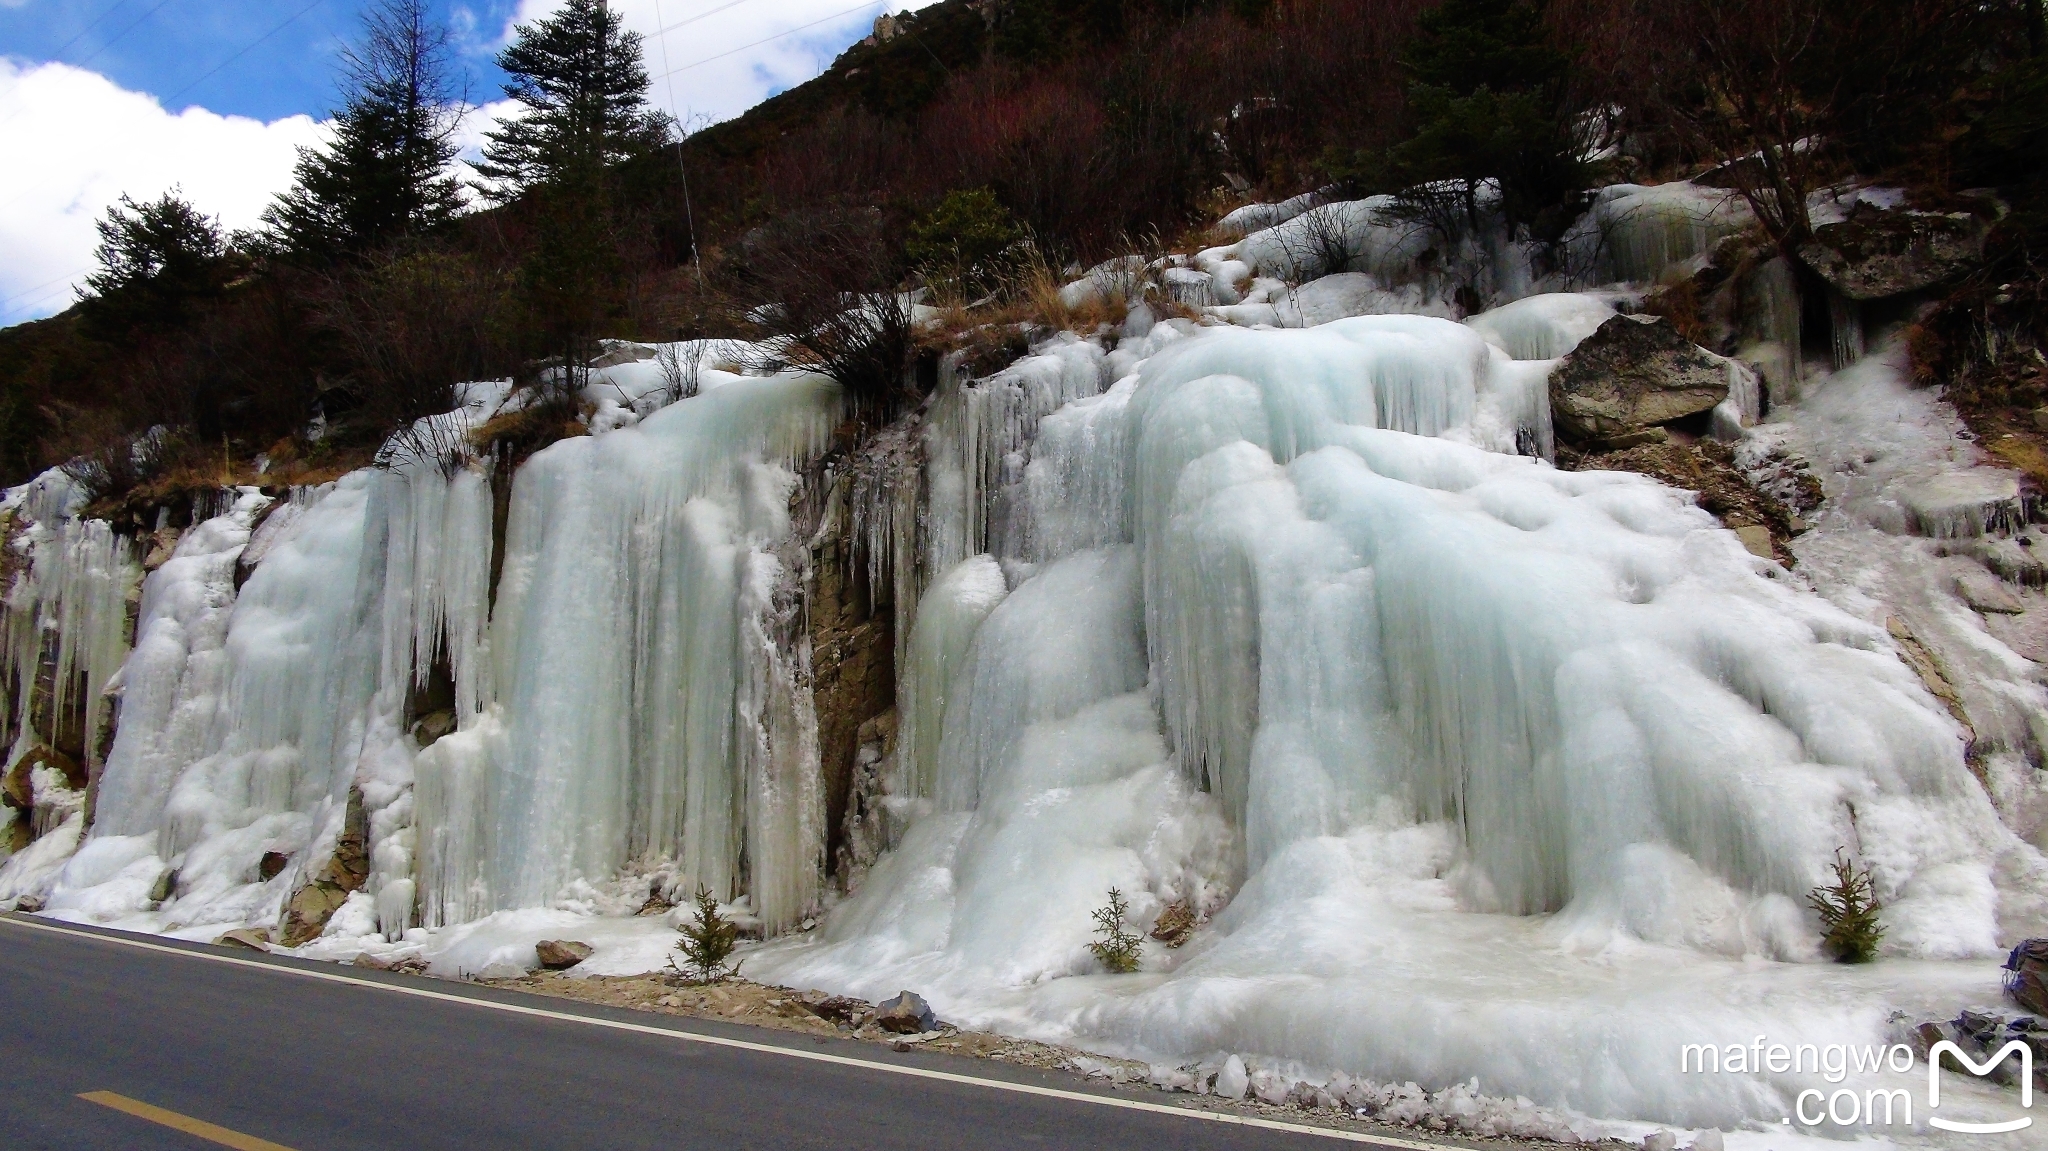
pixel 1633 375
pixel 561 954
pixel 906 1014
pixel 1876 253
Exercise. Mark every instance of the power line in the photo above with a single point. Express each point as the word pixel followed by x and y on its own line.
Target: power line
pixel 109 41
pixel 689 212
pixel 239 54
pixel 771 39
pixel 29 297
pixel 66 46
pixel 693 19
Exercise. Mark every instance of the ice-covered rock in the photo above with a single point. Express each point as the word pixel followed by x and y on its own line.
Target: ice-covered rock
pixel 1233 1080
pixel 1874 253
pixel 1632 375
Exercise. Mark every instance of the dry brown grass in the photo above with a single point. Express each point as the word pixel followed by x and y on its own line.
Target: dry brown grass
pixel 532 428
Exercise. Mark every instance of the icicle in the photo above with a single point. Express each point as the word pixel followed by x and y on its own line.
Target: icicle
pixel 1845 329
pixel 66 629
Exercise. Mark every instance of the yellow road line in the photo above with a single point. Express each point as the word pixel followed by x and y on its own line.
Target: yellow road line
pixel 185 1123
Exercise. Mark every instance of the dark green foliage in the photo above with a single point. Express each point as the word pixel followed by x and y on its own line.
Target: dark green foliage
pixel 1025 32
pixel 1487 97
pixel 157 262
pixel 1120 948
pixel 707 942
pixel 1848 910
pixel 2005 145
pixel 968 245
pixel 579 72
pixel 385 176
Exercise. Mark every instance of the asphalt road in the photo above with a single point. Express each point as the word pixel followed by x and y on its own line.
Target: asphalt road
pixel 312 1064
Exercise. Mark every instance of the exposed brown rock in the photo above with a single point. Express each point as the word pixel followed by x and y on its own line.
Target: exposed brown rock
pixel 16 788
pixel 1175 925
pixel 561 954
pixel 1877 252
pixel 310 907
pixel 1708 468
pixel 1933 676
pixel 253 938
pixel 853 645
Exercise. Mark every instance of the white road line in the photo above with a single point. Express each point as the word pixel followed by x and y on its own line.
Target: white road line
pixel 763 1048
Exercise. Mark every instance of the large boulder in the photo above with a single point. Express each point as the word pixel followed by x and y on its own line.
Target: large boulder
pixel 1875 252
pixel 1628 379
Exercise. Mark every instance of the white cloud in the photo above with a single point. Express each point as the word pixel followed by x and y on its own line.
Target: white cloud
pixel 76 141
pixel 721 88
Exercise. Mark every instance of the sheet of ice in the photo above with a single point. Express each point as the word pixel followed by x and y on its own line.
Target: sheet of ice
pixel 1241 222
pixel 1333 297
pixel 1547 326
pixel 1633 232
pixel 632 684
pixel 1880 445
pixel 1488 761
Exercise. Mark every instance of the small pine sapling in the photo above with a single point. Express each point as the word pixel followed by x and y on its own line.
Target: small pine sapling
pixel 706 943
pixel 1848 910
pixel 1119 947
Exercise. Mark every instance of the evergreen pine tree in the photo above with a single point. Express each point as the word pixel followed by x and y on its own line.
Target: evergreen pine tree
pixel 156 260
pixel 1488 96
pixel 386 175
pixel 580 75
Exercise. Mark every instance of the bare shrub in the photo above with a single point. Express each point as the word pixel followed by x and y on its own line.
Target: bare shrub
pixel 828 283
pixel 682 367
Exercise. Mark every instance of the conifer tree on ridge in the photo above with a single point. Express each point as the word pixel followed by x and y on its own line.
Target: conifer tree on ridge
pixel 386 175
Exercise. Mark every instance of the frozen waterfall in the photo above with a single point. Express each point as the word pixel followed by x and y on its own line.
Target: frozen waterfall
pixel 1460 759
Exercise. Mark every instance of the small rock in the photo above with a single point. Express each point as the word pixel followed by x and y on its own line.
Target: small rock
pixel 431 727
pixel 1232 1082
pixel 253 938
pixel 834 1008
pixel 2041 419
pixel 906 1014
pixel 1757 538
pixel 1660 1141
pixel 1175 925
pixel 166 884
pixel 1269 1087
pixel 376 962
pixel 561 954
pixel 28 904
pixel 1708 1140
pixel 272 865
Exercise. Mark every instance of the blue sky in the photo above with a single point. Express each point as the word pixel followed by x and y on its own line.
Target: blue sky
pixel 102 97
pixel 167 47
